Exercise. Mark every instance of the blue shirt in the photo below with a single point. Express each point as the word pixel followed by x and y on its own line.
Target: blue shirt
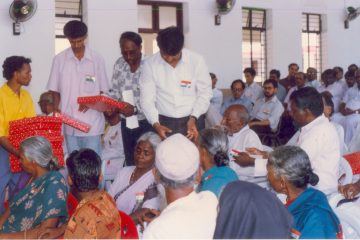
pixel 243 100
pixel 313 216
pixel 216 178
pixel 281 92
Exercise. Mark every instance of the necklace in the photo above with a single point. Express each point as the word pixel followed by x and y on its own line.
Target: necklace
pixel 132 177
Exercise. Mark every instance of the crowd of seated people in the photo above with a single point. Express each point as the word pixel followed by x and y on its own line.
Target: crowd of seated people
pixel 201 184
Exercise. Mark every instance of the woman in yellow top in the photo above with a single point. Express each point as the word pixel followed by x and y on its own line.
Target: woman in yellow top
pixel 15 103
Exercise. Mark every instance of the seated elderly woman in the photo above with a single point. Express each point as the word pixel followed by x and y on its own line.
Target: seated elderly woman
pixel 42 203
pixel 247 210
pixel 213 147
pixel 289 172
pixel 134 189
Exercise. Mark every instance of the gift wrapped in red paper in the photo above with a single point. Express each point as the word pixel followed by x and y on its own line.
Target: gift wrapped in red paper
pixel 41 124
pixel 75 123
pixel 354 161
pixel 46 126
pixel 101 103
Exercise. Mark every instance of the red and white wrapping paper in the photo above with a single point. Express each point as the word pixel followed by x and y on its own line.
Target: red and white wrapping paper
pixel 45 126
pixel 75 123
pixel 101 103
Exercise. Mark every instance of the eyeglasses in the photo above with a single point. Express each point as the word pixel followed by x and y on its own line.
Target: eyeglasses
pixel 237 89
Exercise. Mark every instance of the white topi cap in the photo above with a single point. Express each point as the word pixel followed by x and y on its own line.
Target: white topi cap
pixel 177 158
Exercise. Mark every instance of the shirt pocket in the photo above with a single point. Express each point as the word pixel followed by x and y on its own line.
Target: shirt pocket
pixel 187 87
pixel 88 79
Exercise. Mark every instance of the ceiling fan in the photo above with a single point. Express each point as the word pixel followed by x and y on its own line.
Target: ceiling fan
pixel 21 11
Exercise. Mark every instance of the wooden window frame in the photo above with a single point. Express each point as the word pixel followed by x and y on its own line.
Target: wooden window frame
pixel 156 16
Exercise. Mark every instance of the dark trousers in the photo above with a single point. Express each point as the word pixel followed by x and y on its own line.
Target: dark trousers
pixel 130 136
pixel 179 125
pixel 261 130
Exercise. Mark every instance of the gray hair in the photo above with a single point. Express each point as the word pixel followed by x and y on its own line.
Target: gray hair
pixel 152 137
pixel 176 184
pixel 39 150
pixel 293 163
pixel 215 141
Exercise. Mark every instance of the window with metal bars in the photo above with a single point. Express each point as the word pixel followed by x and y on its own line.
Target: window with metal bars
pixel 311 41
pixel 154 16
pixel 254 41
pixel 65 11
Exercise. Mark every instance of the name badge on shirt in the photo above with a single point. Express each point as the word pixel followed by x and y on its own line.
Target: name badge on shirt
pixel 185 84
pixel 234 153
pixel 266 111
pixel 90 78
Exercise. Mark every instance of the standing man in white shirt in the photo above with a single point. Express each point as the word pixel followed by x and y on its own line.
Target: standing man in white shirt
pixel 175 87
pixel 253 90
pixel 76 72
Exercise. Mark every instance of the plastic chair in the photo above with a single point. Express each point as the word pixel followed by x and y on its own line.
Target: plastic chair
pixel 128 227
pixel 272 138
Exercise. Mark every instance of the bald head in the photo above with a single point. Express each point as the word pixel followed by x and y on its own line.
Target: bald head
pixel 235 118
pixel 46 103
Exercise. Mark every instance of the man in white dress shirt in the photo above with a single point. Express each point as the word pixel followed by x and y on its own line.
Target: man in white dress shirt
pixel 300 81
pixel 188 214
pixel 311 74
pixel 339 75
pixel 175 87
pixel 317 137
pixel 330 85
pixel 253 90
pixel 349 110
pixel 240 136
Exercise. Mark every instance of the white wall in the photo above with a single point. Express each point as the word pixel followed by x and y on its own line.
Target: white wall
pixel 105 24
pixel 36 41
pixel 220 45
